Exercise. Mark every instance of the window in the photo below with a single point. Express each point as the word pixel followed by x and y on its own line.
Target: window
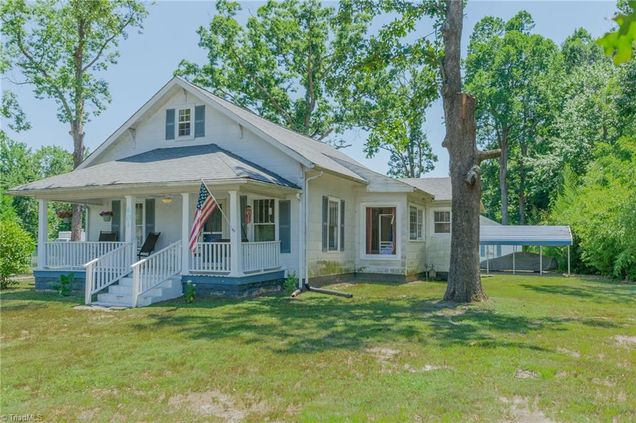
pixel 380 229
pixel 264 222
pixel 139 224
pixel 442 222
pixel 185 122
pixel 333 224
pixel 213 228
pixel 416 223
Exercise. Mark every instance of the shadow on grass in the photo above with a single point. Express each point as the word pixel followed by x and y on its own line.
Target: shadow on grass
pixel 605 293
pixel 30 294
pixel 317 324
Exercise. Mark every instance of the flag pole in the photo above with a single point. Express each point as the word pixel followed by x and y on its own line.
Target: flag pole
pixel 220 208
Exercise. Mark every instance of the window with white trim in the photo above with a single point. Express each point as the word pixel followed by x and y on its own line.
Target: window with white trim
pixel 184 123
pixel 381 231
pixel 333 224
pixel 264 220
pixel 416 223
pixel 442 222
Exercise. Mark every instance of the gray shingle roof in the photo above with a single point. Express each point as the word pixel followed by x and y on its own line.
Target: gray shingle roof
pixel 163 165
pixel 440 188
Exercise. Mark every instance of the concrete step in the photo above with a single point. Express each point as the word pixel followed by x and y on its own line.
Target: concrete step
pixel 120 289
pixel 115 299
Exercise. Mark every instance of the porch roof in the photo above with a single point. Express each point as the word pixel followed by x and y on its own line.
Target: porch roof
pixel 162 165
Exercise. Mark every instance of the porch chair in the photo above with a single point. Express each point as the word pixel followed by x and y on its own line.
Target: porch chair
pixel 149 245
pixel 105 236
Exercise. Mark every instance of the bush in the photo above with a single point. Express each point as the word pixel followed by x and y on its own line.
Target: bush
pixel 290 284
pixel 190 292
pixel 601 209
pixel 64 287
pixel 16 247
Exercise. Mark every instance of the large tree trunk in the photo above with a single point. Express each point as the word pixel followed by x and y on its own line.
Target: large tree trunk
pixel 77 132
pixel 464 282
pixel 503 178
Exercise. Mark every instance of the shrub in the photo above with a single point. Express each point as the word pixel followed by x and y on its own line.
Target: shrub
pixel 64 287
pixel 16 247
pixel 290 284
pixel 190 292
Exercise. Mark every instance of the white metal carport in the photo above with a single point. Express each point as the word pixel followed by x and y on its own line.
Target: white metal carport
pixel 549 236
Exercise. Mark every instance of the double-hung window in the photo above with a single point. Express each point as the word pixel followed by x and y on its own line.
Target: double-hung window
pixel 333 225
pixel 416 223
pixel 185 122
pixel 442 222
pixel 264 220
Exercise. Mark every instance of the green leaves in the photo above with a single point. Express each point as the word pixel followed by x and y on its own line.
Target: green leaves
pixel 620 43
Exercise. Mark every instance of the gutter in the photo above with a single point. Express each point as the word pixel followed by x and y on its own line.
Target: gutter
pixel 305 267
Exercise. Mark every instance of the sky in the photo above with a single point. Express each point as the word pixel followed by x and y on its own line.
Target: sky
pixel 148 60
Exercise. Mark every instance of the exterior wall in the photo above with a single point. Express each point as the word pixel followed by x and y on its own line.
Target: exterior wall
pixel 321 263
pixel 438 245
pixel 219 129
pixel 416 259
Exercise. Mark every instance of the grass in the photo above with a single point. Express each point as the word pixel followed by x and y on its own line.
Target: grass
pixel 549 347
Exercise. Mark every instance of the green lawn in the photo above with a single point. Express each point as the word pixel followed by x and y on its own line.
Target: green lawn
pixel 555 348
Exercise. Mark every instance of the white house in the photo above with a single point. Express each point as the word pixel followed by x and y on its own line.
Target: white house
pixel 290 205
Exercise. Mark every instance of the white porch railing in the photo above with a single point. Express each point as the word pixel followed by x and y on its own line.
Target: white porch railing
pixel 155 269
pixel 75 254
pixel 211 257
pixel 260 256
pixel 107 269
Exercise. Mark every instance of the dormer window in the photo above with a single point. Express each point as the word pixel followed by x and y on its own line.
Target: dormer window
pixel 185 122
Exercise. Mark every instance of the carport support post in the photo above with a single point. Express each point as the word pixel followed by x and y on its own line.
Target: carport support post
pixel 568 260
pixel 488 259
pixel 540 260
pixel 185 233
pixel 43 232
pixel 514 250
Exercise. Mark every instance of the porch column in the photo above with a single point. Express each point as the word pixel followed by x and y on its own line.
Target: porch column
pixel 185 233
pixel 129 225
pixel 236 249
pixel 43 232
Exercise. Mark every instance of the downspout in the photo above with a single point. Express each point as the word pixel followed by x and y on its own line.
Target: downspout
pixel 304 226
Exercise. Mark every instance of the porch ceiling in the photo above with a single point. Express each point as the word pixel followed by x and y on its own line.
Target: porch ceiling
pixel 159 171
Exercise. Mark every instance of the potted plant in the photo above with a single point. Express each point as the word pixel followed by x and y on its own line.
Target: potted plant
pixel 65 215
pixel 106 215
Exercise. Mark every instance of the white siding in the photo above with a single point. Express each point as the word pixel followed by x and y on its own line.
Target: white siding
pixel 438 245
pixel 219 129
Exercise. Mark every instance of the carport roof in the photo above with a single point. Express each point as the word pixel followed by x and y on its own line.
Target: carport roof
pixel 555 236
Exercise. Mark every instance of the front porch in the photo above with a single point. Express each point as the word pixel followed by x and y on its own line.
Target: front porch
pixel 237 254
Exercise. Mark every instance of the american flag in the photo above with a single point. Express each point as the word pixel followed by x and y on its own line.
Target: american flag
pixel 205 207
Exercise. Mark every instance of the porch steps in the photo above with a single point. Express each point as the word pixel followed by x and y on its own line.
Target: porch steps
pixel 120 294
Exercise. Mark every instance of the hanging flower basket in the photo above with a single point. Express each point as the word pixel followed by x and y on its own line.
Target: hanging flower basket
pixel 65 215
pixel 107 215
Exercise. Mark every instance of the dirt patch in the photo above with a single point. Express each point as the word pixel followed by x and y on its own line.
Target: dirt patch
pixel 521 412
pixel 571 353
pixel 424 369
pixel 628 341
pixel 526 374
pixel 216 403
pixel 383 354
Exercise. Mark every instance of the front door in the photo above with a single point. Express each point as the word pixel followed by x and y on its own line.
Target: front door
pixel 387 244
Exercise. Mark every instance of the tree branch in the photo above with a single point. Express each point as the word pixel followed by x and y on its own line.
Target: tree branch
pixel 487 154
pixel 44 73
pixel 107 42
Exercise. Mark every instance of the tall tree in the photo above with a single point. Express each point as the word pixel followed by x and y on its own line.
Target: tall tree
pixel 504 65
pixel 464 281
pixel 285 63
pixel 390 103
pixel 60 48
